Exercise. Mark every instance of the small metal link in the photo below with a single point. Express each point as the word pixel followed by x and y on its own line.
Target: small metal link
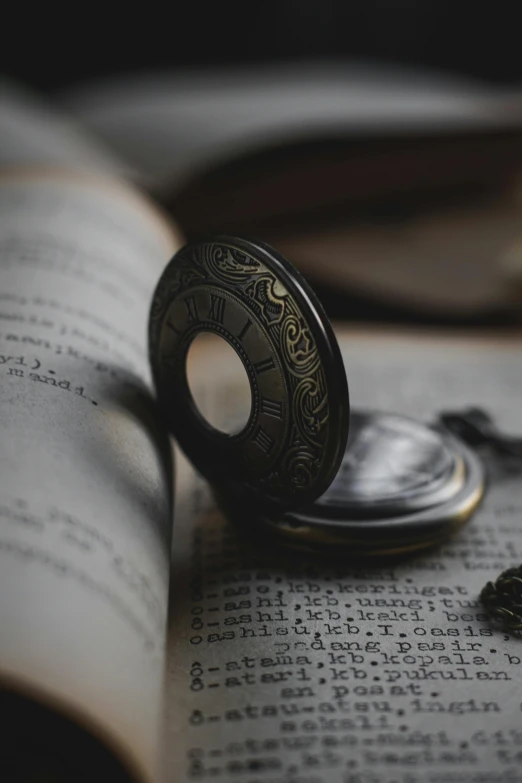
pixel 503 598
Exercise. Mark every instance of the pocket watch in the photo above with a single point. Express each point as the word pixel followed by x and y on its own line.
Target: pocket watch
pixel 304 467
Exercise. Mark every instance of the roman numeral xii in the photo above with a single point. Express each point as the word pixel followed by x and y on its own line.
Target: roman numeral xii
pixel 217 308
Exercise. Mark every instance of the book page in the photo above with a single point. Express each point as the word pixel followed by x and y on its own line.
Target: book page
pixel 287 667
pixel 85 468
pixel 33 133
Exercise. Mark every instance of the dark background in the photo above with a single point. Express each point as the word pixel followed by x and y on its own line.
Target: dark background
pixel 50 50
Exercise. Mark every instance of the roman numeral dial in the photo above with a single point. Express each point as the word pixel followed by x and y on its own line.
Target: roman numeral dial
pixel 264 366
pixel 272 408
pixel 263 441
pixel 217 308
pixel 245 329
pixel 289 444
pixel 192 309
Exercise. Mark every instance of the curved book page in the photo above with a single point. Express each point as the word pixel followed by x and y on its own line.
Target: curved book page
pixel 85 469
pixel 33 132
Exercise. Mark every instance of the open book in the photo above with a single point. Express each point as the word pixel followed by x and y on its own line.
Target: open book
pixel 263 665
pixel 392 184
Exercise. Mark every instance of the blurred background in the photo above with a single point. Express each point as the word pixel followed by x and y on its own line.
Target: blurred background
pixel 378 145
pixel 50 50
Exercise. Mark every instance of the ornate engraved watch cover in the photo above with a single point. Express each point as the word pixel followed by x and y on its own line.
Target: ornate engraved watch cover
pixel 395 485
pixel 294 441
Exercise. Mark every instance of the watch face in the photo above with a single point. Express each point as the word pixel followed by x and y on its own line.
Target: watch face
pixel 392 465
pixel 293 443
pixel 402 486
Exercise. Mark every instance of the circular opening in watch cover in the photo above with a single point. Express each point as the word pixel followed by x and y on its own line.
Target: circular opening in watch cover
pixel 227 412
pixel 247 294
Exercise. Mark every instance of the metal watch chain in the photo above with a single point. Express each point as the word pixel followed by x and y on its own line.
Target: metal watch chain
pixel 503 597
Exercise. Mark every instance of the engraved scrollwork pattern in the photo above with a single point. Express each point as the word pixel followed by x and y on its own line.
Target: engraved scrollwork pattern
pixel 286 325
pixel 301 464
pixel 268 305
pixel 228 264
pixel 298 348
pixel 310 406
